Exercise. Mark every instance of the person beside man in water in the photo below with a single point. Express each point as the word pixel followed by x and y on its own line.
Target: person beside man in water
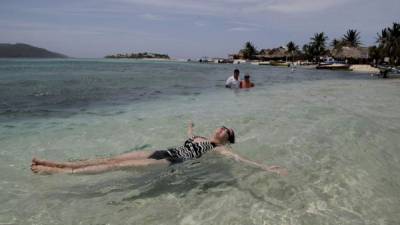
pixel 246 83
pixel 233 81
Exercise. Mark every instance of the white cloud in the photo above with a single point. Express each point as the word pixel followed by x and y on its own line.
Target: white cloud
pixel 94 31
pixel 241 29
pixel 300 6
pixel 199 24
pixel 151 17
pixel 239 7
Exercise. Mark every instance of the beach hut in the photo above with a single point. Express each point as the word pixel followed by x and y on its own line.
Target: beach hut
pixel 351 55
pixel 274 54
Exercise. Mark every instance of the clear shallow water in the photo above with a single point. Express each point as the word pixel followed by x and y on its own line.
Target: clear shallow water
pixel 336 132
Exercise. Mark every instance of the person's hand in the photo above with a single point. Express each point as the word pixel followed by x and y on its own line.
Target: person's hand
pixel 191 124
pixel 190 129
pixel 277 169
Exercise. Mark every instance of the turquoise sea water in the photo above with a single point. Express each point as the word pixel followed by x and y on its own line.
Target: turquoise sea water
pixel 336 132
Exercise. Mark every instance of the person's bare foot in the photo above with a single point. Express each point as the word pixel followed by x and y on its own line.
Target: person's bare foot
pixel 48 163
pixel 278 170
pixel 40 169
pixel 34 161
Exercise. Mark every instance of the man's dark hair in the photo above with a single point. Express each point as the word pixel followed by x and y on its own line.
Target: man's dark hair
pixel 236 71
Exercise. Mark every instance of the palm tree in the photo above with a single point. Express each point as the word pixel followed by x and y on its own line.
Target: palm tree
pixel 292 49
pixel 383 37
pixel 318 45
pixel 352 38
pixel 374 54
pixel 336 44
pixel 249 51
pixel 394 43
pixel 389 43
pixel 308 51
pixel 383 44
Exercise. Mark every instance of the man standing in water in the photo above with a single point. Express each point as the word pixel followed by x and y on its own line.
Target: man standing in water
pixel 233 81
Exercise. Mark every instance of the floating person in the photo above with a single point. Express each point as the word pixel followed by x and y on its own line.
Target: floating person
pixel 233 81
pixel 246 83
pixel 193 148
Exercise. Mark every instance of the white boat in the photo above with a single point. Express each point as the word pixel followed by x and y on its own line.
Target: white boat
pixel 264 63
pixel 333 66
pixel 239 61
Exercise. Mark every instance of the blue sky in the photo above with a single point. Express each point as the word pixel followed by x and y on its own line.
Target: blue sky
pixel 186 28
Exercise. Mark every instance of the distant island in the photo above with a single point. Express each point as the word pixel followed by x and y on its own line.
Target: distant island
pixel 140 55
pixel 21 50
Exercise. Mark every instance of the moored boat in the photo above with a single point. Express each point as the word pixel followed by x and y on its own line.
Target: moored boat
pixel 279 63
pixel 264 63
pixel 333 66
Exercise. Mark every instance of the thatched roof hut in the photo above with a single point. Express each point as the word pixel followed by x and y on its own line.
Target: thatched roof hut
pixel 350 53
pixel 273 54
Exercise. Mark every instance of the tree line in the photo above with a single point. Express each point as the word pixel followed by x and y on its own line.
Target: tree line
pixel 140 55
pixel 385 50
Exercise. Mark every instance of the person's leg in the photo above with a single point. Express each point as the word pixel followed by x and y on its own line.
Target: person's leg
pixel 49 163
pixel 93 162
pixel 133 155
pixel 101 168
pixel 119 165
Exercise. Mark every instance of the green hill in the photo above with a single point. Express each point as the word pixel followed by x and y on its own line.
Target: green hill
pixel 26 51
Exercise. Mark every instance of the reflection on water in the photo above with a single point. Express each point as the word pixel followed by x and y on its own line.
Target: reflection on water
pixel 336 134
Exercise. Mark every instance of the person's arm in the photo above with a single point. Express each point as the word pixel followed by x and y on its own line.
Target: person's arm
pixel 276 169
pixel 190 129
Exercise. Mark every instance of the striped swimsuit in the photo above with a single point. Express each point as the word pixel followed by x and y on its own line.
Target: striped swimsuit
pixel 189 150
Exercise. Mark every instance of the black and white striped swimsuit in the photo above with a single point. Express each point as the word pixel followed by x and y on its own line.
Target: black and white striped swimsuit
pixel 189 150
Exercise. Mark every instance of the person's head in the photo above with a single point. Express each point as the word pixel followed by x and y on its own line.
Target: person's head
pixel 236 73
pixel 247 77
pixel 224 135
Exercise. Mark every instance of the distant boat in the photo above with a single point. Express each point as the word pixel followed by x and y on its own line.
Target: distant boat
pixel 279 63
pixel 239 61
pixel 222 60
pixel 263 63
pixel 390 69
pixel 333 66
pixel 385 70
